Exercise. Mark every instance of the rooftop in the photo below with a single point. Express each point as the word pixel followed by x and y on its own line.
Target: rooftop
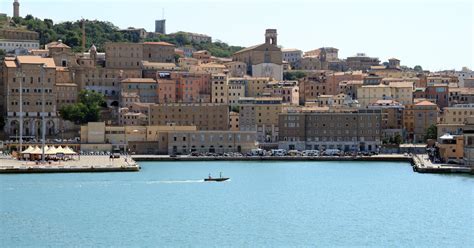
pixel 139 80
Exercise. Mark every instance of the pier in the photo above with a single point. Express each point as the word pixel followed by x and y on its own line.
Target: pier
pixel 81 164
pixel 422 164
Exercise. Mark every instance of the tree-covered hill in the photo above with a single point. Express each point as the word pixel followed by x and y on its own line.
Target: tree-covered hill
pixel 100 32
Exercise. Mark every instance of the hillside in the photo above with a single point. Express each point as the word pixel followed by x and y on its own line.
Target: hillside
pixel 100 32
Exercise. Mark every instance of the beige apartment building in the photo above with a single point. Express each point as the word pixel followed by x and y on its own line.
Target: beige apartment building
pixel 145 88
pixel 358 130
pixel 261 115
pixel 37 75
pixel 220 89
pixel 255 86
pixel 417 118
pixel 237 89
pixel 206 116
pixel 96 136
pixel 401 92
pixel 66 90
pixel 185 142
pixel 453 119
pixel 131 55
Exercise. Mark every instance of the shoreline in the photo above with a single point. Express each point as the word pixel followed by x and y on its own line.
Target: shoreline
pixel 91 164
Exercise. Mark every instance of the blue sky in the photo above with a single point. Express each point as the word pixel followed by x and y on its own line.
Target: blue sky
pixel 435 34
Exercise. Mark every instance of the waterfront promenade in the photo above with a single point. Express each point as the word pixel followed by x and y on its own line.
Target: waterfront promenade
pixel 381 157
pixel 78 164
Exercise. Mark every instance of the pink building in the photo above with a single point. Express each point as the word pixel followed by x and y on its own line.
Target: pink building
pixel 184 87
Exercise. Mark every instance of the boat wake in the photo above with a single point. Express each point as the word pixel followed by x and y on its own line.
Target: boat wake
pixel 175 181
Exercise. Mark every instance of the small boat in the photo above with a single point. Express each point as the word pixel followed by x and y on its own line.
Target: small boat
pixel 216 179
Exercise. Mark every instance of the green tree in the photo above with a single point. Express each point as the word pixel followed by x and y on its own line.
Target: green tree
pixel 398 139
pixel 293 75
pixel 432 132
pixel 86 110
pixel 181 39
pixel 418 68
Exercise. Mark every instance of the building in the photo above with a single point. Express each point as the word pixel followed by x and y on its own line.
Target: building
pixel 184 87
pixel 160 26
pixel 134 34
pixel 202 56
pixel 37 77
pixel 347 131
pixel 287 90
pixel 392 118
pixel 97 136
pixel 236 69
pixel 361 62
pixel 260 114
pixel 234 121
pixel 263 60
pixel 16 40
pixel 237 89
pixel 453 119
pixel 330 54
pixel 310 64
pixel 417 118
pixel 465 74
pixel 401 92
pixel 291 55
pixel 131 55
pixel 145 88
pixel 220 89
pixel 460 96
pixel 16 8
pixel 206 116
pixel 451 148
pixel 255 86
pixel 66 90
pixel 185 142
pixel 194 37
pixel 469 142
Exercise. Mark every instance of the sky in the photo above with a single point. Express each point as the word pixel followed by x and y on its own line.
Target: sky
pixel 435 34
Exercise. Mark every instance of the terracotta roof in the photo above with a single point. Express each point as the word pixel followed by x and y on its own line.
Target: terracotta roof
pixel 58 45
pixel 401 84
pixel 49 62
pixel 139 80
pixel 10 63
pixel 162 43
pixel 425 103
pixel 249 48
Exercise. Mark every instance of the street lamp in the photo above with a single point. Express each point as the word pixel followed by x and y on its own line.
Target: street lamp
pixel 20 75
pixel 42 70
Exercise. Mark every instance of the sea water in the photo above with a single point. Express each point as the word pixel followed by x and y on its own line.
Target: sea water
pixel 264 204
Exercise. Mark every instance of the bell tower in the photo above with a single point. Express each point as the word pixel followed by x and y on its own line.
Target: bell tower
pixel 16 8
pixel 271 37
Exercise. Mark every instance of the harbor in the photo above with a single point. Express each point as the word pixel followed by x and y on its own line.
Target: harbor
pixel 80 164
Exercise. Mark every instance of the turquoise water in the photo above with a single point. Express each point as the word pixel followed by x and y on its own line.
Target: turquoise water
pixel 265 204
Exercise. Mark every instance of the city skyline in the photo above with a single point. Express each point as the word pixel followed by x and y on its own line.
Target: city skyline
pixel 393 25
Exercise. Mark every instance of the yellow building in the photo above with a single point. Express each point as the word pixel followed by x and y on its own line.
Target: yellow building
pixel 401 92
pixel 451 148
pixel 220 89
pixel 255 86
pixel 261 115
